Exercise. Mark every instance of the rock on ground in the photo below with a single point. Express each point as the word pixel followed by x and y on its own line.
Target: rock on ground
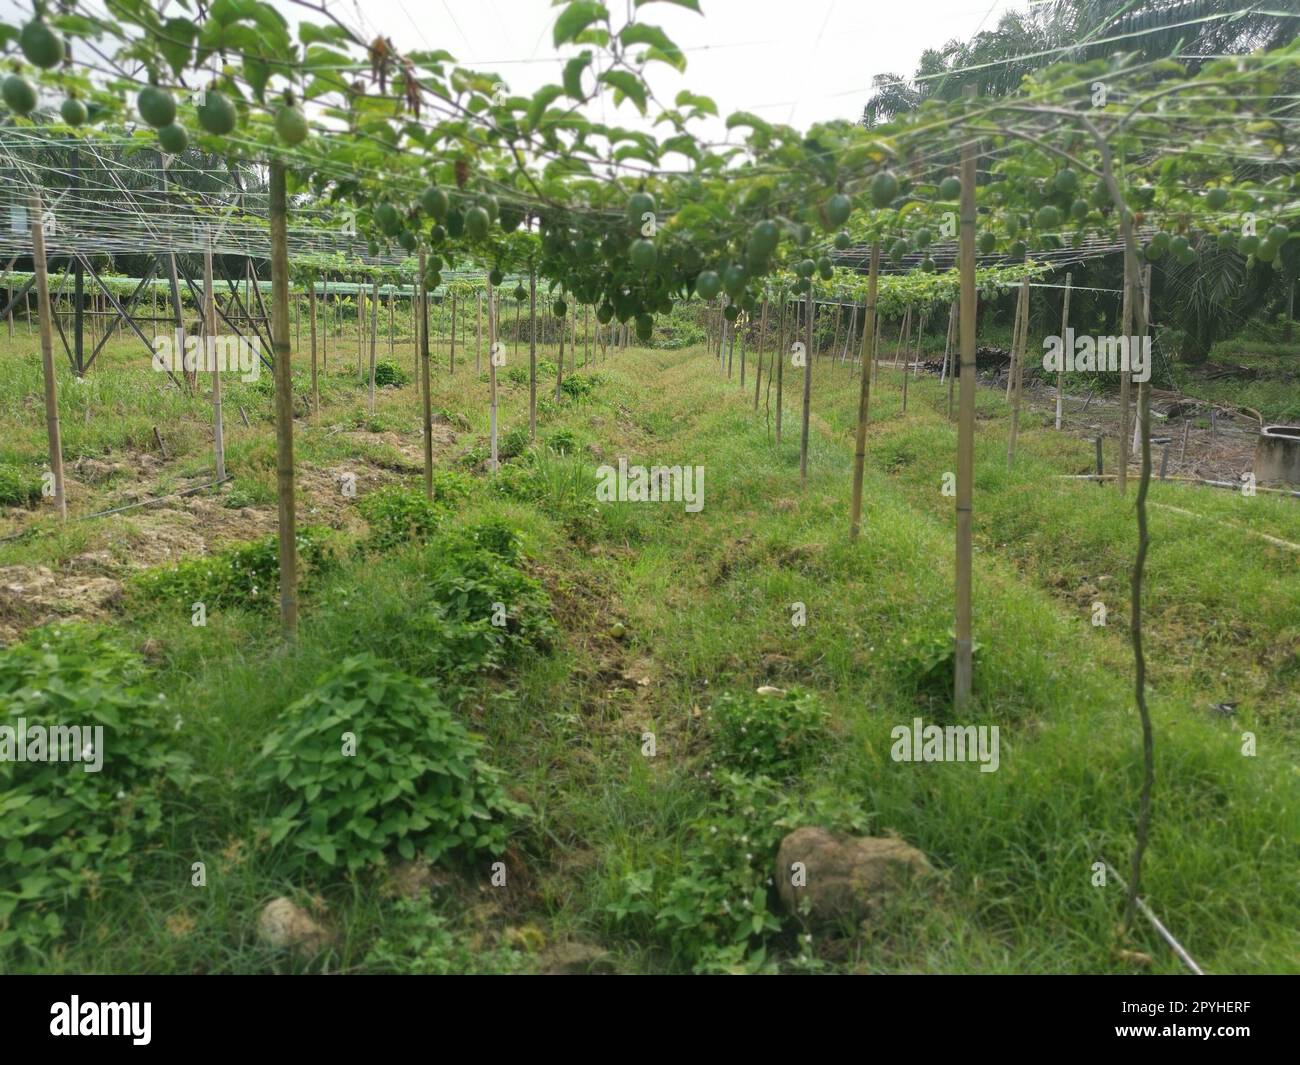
pixel 845 877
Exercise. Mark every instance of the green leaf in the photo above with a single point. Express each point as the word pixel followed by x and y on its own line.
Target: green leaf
pixel 176 42
pixel 745 118
pixel 629 85
pixel 542 99
pixel 577 17
pixel 661 45
pixel 573 71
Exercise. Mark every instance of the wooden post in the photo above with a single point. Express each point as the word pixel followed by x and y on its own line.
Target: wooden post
pixel 422 346
pixel 779 355
pixel 492 371
pixel 1017 368
pixel 762 341
pixel 361 318
pixel 311 314
pixel 864 392
pixel 178 333
pixel 532 354
pixel 213 364
pixel 1136 339
pixel 391 341
pixel 807 388
pixel 559 364
pixel 962 671
pixel 478 333
pixel 283 402
pixel 586 335
pixel 52 430
pixel 1060 374
pixel 1126 329
pixel 451 357
pixel 325 340
pixel 951 343
pixel 374 336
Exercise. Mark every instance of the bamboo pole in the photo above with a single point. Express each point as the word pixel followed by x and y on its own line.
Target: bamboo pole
pixel 762 342
pixel 809 314
pixel 1126 330
pixel 422 348
pixel 492 371
pixel 374 334
pixel 1017 369
pixel 283 402
pixel 1060 374
pixel 864 392
pixel 532 354
pixel 391 339
pixel 962 671
pixel 451 360
pixel 210 356
pixel 53 432
pixel 559 364
pixel 311 316
pixel 779 356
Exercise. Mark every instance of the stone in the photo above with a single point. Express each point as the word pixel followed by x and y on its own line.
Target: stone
pixel 845 878
pixel 285 925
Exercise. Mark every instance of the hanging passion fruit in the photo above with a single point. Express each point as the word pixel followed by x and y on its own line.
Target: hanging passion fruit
pixel 825 268
pixel 1048 217
pixel 708 284
pixel 435 203
pixel 73 112
pixel 734 278
pixel 843 241
pixel 455 223
pixel 645 327
pixel 19 94
pixel 605 313
pixel 496 276
pixel 763 239
pixel 837 210
pixel 559 308
pixel 639 204
pixel 1216 199
pixel 987 242
pixel 644 255
pixel 216 114
pixel 42 46
pixel 521 293
pixel 884 188
pixel 156 106
pixel 291 125
pixel 173 139
pixel 950 188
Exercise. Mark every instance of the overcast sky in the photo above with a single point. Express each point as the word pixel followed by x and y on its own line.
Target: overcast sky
pixel 792 61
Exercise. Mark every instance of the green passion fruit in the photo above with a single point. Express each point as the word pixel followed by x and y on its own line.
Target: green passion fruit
pixel 173 139
pixel 763 239
pixel 156 106
pixel 41 45
pixel 435 203
pixel 950 188
pixel 291 125
pixel 19 94
pixel 1216 199
pixel 73 112
pixel 477 222
pixel 843 241
pixel 644 255
pixel 837 210
pixel 884 188
pixel 734 278
pixel 496 276
pixel 559 308
pixel 216 114
pixel 639 204
pixel 708 284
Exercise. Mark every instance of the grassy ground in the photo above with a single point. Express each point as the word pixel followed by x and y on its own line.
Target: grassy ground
pixel 663 618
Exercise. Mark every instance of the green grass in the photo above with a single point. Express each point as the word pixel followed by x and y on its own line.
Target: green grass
pixel 705 604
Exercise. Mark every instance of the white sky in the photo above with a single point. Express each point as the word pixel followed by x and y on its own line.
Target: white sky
pixel 791 61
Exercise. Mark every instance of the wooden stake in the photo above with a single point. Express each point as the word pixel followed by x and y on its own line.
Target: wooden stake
pixel 374 334
pixel 532 354
pixel 864 392
pixel 762 340
pixel 1126 329
pixel 807 388
pixel 1060 374
pixel 1016 383
pixel 210 355
pixel 311 325
pixel 779 356
pixel 492 371
pixel 422 347
pixel 283 402
pixel 962 666
pixel 52 430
